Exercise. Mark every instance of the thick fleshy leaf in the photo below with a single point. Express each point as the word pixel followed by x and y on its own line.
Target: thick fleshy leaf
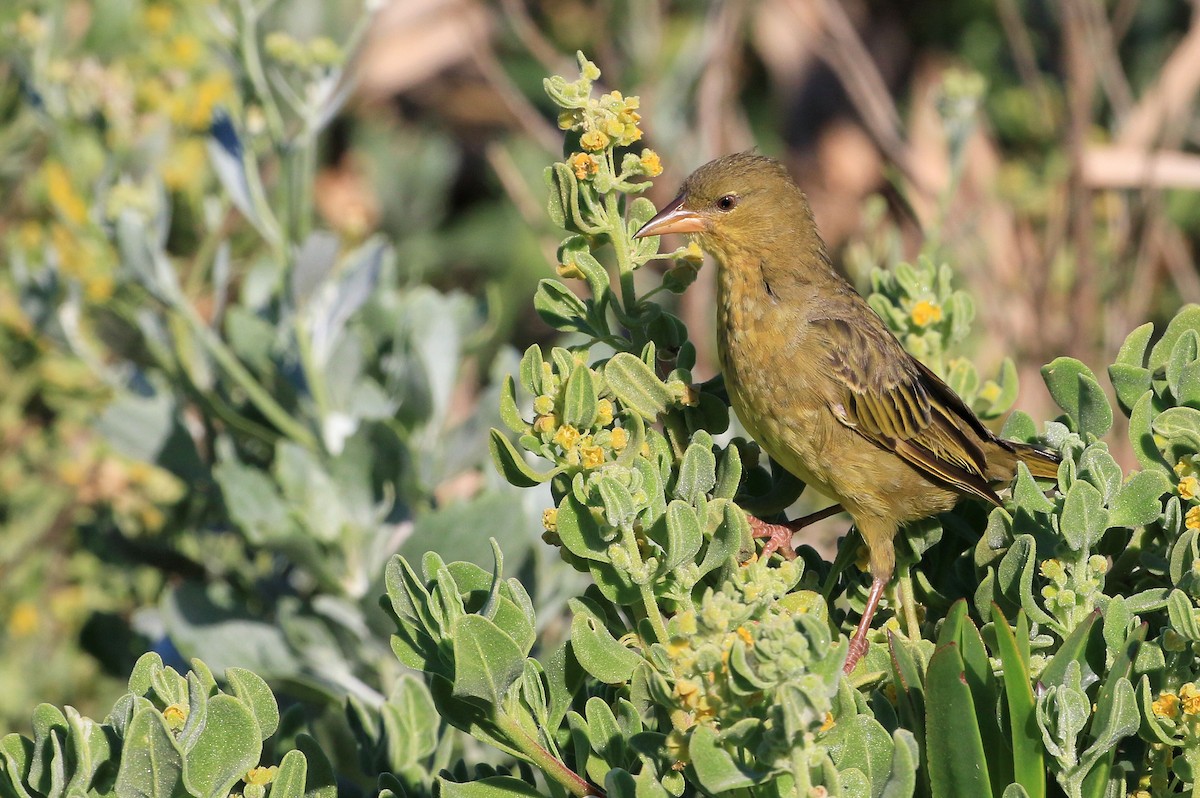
pixel 951 725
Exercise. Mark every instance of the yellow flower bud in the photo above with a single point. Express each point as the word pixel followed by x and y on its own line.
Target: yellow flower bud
pixel 1189 488
pixel 651 163
pixel 175 716
pixel 592 456
pixel 593 141
pixel 604 413
pixel 1192 519
pixel 261 776
pixel 543 405
pixel 567 436
pixel 619 439
pixel 925 313
pixel 550 519
pixel 1189 697
pixel 583 165
pixel 1166 706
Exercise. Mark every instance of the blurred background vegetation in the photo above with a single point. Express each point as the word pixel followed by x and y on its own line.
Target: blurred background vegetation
pixel 264 264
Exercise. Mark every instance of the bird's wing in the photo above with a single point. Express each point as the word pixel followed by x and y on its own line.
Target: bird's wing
pixel 893 400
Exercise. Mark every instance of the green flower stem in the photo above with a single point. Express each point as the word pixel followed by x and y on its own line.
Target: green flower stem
pixel 254 68
pixel 258 396
pixel 908 605
pixel 649 600
pixel 303 171
pixel 550 765
pixel 620 242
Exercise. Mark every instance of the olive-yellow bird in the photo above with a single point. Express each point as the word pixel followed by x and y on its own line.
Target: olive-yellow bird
pixel 819 381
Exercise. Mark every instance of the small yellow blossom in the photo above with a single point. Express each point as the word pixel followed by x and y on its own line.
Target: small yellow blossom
pixel 1166 705
pixel 543 405
pixel 604 412
pixel 1189 488
pixel 925 313
pixel 567 436
pixel 593 141
pixel 31 28
pixel 593 456
pixel 550 519
pixel 827 724
pixel 325 52
pixel 23 620
pixel 583 165
pixel 568 119
pixel 185 50
pixel 1189 697
pixel 651 163
pixel 1052 569
pixel 744 633
pixel 1192 519
pixel 1185 466
pixel 186 164
pixel 62 194
pixel 157 17
pixel 260 775
pixel 619 439
pixel 544 425
pixel 175 716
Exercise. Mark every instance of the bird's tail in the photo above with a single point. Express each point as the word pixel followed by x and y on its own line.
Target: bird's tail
pixel 1042 463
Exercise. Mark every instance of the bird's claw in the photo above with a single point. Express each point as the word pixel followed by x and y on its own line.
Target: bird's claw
pixel 778 537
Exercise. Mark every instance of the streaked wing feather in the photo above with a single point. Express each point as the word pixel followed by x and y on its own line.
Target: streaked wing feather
pixel 898 404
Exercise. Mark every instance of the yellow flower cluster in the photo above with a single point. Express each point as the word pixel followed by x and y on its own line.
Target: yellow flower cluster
pixel 1171 705
pixel 925 313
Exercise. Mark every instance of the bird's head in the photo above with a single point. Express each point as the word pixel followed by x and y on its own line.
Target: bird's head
pixel 736 203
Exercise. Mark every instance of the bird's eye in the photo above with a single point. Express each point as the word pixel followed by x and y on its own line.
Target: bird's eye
pixel 727 203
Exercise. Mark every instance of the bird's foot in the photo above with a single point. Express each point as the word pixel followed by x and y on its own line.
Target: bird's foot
pixel 858 647
pixel 778 537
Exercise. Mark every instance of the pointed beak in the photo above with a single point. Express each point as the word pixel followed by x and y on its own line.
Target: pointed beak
pixel 674 218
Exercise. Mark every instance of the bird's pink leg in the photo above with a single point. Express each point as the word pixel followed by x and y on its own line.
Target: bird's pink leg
pixel 779 536
pixel 858 643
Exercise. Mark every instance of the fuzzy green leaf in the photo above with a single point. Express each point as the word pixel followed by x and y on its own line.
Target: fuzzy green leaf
pixel 228 746
pixel 636 386
pixel 1075 389
pixel 600 654
pixel 490 787
pixel 151 763
pixel 579 399
pixel 511 463
pixel 486 660
pixel 1084 518
pixel 1139 501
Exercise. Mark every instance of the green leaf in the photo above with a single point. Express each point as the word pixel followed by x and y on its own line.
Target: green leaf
pixel 697 471
pixel 151 763
pixel 1084 518
pixel 1129 383
pixel 509 413
pixel 321 782
pixel 531 370
pixel 958 765
pixel 579 399
pixel 684 534
pixel 1187 319
pixel 560 308
pixel 228 746
pixel 251 690
pixel 490 787
pixel 1141 436
pixel 716 770
pixel 486 660
pixel 1075 389
pixel 511 463
pixel 1029 768
pixel 902 780
pixel 1139 501
pixel 1133 351
pixel 289 781
pixel 636 386
pixel 1079 647
pixel 600 654
pixel 1180 426
pixel 1182 615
